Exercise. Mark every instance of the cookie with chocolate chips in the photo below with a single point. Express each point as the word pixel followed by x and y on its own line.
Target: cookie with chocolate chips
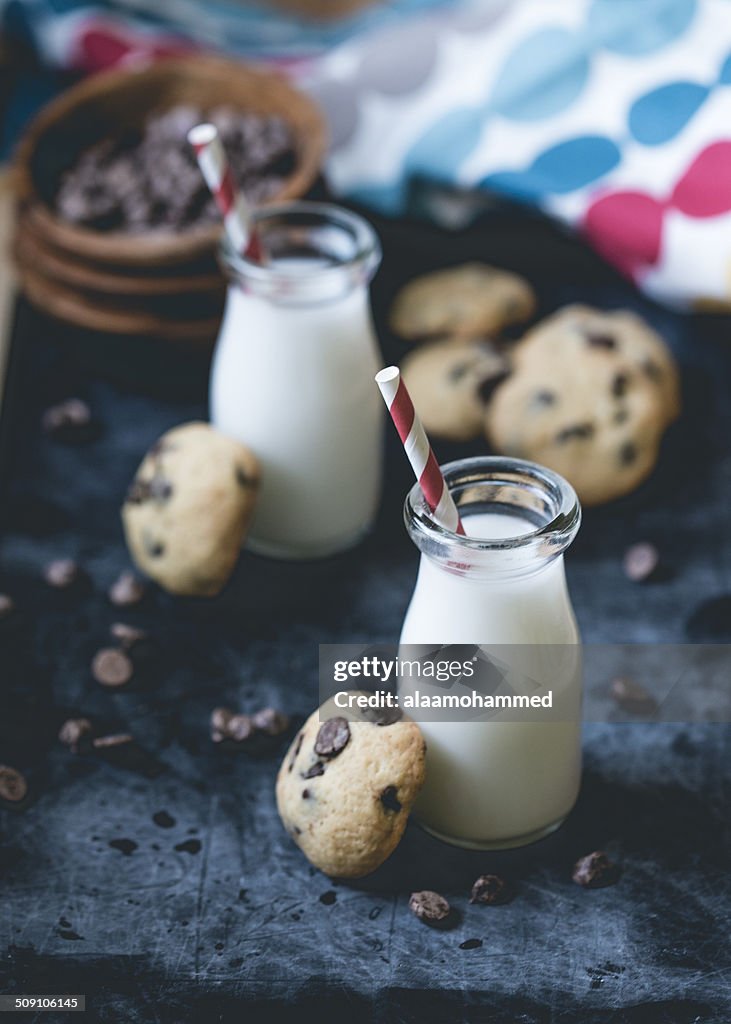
pixel 346 787
pixel 188 508
pixel 465 301
pixel 451 382
pixel 590 396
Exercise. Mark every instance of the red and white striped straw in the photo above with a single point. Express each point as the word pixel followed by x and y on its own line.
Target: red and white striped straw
pixel 419 451
pixel 216 170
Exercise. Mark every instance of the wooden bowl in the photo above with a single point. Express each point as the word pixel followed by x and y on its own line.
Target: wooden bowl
pixel 80 310
pixel 118 100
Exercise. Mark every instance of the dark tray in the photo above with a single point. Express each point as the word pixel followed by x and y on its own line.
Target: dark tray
pixel 219 917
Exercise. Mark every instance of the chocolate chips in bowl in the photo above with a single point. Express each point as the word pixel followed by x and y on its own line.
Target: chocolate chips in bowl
pixel 116 228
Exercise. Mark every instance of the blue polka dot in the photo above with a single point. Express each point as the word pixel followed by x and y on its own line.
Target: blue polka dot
pixel 724 75
pixel 636 27
pixel 542 76
pixel 662 114
pixel 446 144
pixel 563 168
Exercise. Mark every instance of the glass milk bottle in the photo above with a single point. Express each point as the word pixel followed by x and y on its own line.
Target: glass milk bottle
pixel 507 777
pixel 292 378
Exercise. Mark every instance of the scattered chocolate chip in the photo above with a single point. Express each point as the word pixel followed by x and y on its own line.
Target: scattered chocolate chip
pixel 389 799
pixel 13 786
pixel 429 906
pixel 598 340
pixel 111 667
pixel 595 870
pixel 117 739
pixel 7 606
pixel 578 432
pixel 542 399
pixel 632 697
pixel 619 385
pixel 270 721
pixel 69 421
pixel 62 573
pixel 220 717
pixel 128 636
pixel 155 548
pixel 306 794
pixel 160 489
pixel 239 728
pixel 640 562
pixel 711 620
pixel 74 731
pixel 318 768
pixel 470 944
pixel 329 897
pixel 332 737
pixel 138 492
pixel 163 820
pixel 127 590
pixel 487 387
pixel 295 751
pixel 491 890
pixel 628 453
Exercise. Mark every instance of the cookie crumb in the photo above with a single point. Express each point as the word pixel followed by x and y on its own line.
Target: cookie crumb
pixel 640 562
pixel 73 732
pixel 111 667
pixel 632 696
pixel 13 785
pixel 62 573
pixel 490 890
pixel 127 590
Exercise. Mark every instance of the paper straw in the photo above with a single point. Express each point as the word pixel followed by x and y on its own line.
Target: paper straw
pixel 216 170
pixel 418 450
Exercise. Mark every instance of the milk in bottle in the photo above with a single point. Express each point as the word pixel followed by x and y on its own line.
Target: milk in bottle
pixel 507 777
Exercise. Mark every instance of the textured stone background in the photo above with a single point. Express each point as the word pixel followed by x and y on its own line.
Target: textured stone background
pixel 218 917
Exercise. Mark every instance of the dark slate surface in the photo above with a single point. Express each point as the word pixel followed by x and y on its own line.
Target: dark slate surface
pixel 218 916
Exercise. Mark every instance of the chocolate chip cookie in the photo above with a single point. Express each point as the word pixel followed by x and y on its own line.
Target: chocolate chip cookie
pixel 345 789
pixel 188 508
pixel 451 382
pixel 591 396
pixel 465 301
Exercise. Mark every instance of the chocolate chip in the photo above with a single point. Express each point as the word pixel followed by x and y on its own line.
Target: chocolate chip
pixel 628 453
pixel 220 717
pixel 543 398
pixel 652 369
pixel 632 697
pixel 491 890
pixel 111 667
pixel 619 385
pixel 621 416
pixel 239 728
pixel 69 422
pixel 460 370
pixel 598 340
pixel 74 731
pixel 318 768
pixel 243 479
pixel 305 794
pixel 487 387
pixel 595 870
pixel 270 721
pixel 470 944
pixel 640 562
pixel 62 573
pixel 128 636
pixel 7 606
pixel 13 786
pixel 578 431
pixel 295 751
pixel 383 716
pixel 389 799
pixel 329 897
pixel 127 590
pixel 160 489
pixel 154 548
pixel 332 737
pixel 429 907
